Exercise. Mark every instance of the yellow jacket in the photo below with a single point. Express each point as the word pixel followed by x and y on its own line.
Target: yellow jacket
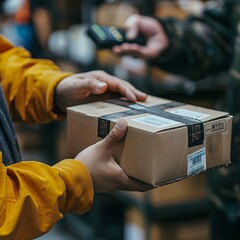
pixel 33 195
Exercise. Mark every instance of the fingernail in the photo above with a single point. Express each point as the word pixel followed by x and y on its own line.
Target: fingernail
pixel 100 85
pixel 130 96
pixel 130 35
pixel 120 123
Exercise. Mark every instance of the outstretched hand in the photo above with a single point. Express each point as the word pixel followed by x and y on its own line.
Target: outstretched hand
pixel 93 86
pixel 151 29
pixel 107 175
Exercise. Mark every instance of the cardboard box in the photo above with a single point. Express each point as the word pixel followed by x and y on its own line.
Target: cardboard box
pixel 166 141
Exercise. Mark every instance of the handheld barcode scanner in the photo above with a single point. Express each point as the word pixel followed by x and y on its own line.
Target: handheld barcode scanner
pixel 108 36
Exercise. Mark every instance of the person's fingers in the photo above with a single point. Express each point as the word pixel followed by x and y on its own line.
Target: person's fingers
pixel 90 85
pixel 130 95
pixel 99 87
pixel 129 49
pixel 140 95
pixel 117 49
pixel 136 185
pixel 122 181
pixel 132 32
pixel 149 51
pixel 132 28
pixel 120 86
pixel 117 85
pixel 116 134
pixel 131 184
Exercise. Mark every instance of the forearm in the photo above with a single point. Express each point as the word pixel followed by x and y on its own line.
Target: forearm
pixel 34 196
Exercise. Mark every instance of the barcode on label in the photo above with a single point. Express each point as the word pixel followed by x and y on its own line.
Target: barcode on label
pixel 197 162
pixel 201 169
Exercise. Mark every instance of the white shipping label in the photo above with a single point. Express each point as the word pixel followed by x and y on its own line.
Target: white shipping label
pixel 197 162
pixel 136 107
pixel 188 113
pixel 155 121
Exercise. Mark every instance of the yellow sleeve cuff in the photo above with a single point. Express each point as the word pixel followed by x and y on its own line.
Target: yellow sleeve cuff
pixel 79 186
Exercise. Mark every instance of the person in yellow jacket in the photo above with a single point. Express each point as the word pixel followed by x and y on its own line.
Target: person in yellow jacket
pixel 33 195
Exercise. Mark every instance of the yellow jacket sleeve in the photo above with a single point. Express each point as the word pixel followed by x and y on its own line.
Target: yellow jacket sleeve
pixel 34 196
pixel 28 84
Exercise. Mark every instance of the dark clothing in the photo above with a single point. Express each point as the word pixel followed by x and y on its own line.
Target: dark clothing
pixel 36 49
pixel 8 142
pixel 202 46
pixel 34 4
pixel 222 228
pixel 205 45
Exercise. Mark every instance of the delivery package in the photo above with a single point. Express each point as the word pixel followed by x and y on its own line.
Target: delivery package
pixel 166 140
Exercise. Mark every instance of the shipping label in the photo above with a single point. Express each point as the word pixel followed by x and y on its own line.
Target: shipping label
pixel 215 127
pixel 136 107
pixel 156 121
pixel 197 162
pixel 189 113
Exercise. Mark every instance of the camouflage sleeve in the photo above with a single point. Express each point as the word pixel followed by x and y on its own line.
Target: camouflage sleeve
pixel 200 45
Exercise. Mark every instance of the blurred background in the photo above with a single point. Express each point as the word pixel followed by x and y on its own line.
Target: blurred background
pixel 55 29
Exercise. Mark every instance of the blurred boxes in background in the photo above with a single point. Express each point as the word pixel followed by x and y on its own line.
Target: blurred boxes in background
pixel 164 202
pixel 187 190
pixel 170 8
pixel 180 229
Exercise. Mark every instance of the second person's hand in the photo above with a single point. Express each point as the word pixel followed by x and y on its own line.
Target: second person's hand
pixel 151 29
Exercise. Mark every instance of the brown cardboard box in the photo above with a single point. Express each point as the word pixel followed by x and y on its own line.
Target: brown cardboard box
pixel 166 141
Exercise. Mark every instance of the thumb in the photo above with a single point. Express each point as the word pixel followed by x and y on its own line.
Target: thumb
pixel 99 87
pixel 90 85
pixel 116 134
pixel 132 33
pixel 131 25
